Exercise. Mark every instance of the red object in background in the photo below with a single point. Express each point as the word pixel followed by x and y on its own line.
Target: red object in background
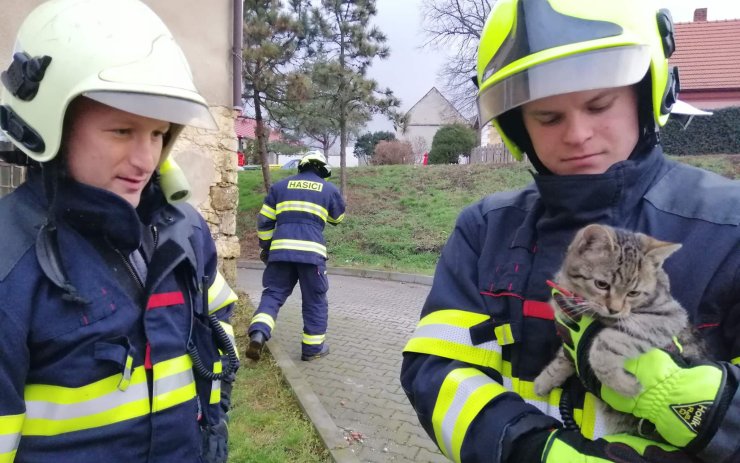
pixel 425 160
pixel 240 160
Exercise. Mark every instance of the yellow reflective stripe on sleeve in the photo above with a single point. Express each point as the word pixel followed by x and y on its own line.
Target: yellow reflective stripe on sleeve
pixel 299 245
pixel 268 212
pixel 220 294
pixel 464 393
pixel 337 220
pixel 230 333
pixel 446 333
pixel 174 383
pixel 303 206
pixel 263 318
pixel 735 361
pixel 265 235
pixel 126 376
pixel 8 457
pixel 10 436
pixel 504 336
pixel 216 384
pixel 313 339
pixel 53 410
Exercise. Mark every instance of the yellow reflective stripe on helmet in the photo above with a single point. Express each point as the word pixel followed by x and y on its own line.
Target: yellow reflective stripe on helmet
pixel 53 410
pixel 265 235
pixel 174 383
pixel 735 361
pixel 268 212
pixel 464 393
pixel 10 436
pixel 220 294
pixel 299 245
pixel 313 339
pixel 337 220
pixel 303 206
pixel 216 384
pixel 263 318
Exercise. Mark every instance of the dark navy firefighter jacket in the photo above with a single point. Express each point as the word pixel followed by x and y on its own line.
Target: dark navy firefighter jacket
pixel 293 215
pixel 109 378
pixel 486 329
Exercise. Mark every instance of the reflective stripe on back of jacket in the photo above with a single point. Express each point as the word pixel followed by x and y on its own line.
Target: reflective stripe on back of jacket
pixel 292 219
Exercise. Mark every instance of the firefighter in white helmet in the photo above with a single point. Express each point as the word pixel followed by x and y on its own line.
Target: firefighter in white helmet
pixel 290 228
pixel 116 341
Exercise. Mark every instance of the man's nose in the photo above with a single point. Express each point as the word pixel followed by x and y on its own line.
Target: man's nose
pixel 577 129
pixel 145 153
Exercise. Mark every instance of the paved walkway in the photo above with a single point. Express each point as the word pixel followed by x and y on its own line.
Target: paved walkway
pixel 354 396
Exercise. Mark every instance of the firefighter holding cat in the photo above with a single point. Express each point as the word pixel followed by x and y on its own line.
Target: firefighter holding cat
pixel 581 87
pixel 115 342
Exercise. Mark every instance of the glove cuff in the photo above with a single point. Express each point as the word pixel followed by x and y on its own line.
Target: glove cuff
pixel 726 428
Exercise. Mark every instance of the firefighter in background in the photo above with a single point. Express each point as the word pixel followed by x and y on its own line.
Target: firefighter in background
pixel 115 343
pixel 290 228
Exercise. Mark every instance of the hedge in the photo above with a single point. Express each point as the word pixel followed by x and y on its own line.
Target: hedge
pixel 715 134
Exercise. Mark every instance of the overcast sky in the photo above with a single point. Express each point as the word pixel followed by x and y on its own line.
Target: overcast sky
pixel 411 71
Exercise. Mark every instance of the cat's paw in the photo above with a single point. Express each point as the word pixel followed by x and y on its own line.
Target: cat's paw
pixel 543 384
pixel 626 385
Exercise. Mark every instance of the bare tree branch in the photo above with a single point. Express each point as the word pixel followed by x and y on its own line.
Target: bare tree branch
pixel 456 25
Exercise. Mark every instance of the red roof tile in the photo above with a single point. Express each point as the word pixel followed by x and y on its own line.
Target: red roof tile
pixel 708 54
pixel 246 126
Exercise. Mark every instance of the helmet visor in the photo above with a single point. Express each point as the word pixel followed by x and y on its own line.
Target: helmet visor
pixel 163 108
pixel 602 68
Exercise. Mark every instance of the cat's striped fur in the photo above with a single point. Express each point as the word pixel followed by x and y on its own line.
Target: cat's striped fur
pixel 620 281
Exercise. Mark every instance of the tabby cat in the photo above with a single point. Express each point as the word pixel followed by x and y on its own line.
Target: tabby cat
pixel 620 281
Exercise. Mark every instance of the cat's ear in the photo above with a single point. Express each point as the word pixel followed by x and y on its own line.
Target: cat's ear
pixel 658 250
pixel 594 237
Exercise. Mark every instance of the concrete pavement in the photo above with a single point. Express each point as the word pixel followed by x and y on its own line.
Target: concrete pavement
pixel 353 396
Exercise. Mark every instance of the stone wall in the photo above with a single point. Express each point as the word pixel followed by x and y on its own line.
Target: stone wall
pixel 210 163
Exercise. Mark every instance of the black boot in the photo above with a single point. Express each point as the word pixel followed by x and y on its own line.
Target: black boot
pixel 322 353
pixel 256 341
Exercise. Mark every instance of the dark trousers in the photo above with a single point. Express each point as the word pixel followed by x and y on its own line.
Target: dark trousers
pixel 278 281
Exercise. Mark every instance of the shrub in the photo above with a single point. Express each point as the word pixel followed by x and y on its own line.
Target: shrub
pixel 392 152
pixel 715 134
pixel 450 142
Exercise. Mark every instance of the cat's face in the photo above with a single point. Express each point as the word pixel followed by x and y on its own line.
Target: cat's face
pixel 614 271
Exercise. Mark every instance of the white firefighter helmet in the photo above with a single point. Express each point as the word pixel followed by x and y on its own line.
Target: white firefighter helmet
pixel 117 52
pixel 316 159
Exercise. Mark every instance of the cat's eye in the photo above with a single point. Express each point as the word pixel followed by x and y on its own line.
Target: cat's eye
pixel 633 293
pixel 601 284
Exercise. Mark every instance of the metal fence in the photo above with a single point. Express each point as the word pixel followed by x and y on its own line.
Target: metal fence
pixel 491 154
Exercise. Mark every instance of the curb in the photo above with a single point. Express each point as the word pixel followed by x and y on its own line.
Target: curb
pixel 354 272
pixel 328 431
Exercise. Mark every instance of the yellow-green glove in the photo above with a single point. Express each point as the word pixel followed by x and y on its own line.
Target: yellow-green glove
pixel 681 401
pixel 564 446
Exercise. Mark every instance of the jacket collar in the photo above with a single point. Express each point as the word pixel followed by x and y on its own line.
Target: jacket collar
pixel 99 213
pixel 604 198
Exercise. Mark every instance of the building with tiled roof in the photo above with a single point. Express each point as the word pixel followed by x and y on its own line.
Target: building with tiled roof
pixel 245 127
pixel 708 59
